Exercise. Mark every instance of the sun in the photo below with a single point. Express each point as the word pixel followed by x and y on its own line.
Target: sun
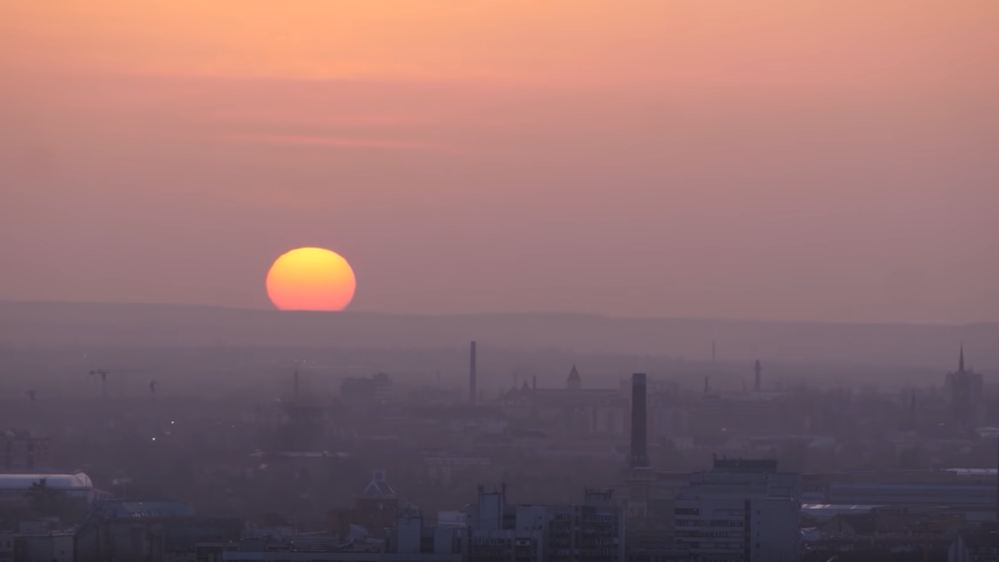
pixel 311 279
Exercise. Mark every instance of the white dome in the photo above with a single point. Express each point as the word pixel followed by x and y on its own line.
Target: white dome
pixel 78 481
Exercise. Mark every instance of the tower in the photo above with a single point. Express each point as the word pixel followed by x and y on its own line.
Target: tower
pixel 639 435
pixel 574 382
pixel 960 362
pixel 471 376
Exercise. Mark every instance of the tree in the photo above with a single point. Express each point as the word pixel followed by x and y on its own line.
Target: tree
pixel 45 500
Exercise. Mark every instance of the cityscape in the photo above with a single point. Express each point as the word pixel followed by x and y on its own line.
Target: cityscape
pixel 695 460
pixel 499 281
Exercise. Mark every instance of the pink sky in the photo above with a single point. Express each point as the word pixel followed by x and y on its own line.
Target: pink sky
pixel 778 159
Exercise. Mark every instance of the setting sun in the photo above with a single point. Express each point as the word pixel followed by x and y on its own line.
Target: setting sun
pixel 311 279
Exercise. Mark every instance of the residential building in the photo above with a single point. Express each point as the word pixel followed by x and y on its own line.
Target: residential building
pixel 591 532
pixel 742 511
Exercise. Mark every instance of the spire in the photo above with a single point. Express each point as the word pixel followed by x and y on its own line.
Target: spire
pixel 574 382
pixel 960 363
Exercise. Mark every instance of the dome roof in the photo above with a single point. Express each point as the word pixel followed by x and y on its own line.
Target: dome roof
pixel 78 481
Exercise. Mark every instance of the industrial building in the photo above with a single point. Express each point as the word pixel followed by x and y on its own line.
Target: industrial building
pixel 742 511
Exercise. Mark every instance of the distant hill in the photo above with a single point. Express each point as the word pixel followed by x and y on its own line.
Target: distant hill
pixel 55 324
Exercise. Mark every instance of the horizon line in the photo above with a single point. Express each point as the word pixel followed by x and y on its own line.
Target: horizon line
pixel 500 313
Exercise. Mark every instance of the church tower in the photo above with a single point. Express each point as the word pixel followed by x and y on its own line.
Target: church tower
pixel 574 382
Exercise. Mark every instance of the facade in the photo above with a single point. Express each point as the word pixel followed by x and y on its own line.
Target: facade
pixel 980 546
pixel 52 547
pixel 13 487
pixel 365 391
pixel 965 396
pixel 757 413
pixel 742 511
pixel 593 531
pixel 149 532
pixel 375 512
pixel 22 452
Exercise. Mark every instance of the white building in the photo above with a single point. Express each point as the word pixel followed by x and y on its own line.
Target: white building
pixel 13 487
pixel 742 511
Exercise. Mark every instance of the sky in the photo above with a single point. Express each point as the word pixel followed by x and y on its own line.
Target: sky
pixel 819 160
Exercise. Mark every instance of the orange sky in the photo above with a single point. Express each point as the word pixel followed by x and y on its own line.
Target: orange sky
pixel 782 159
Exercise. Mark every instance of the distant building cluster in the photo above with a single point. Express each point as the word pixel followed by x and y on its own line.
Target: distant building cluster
pixel 643 469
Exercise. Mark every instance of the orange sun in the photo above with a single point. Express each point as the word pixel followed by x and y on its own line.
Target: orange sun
pixel 311 279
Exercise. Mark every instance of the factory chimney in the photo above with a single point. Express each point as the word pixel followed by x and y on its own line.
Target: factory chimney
pixel 471 377
pixel 639 436
pixel 758 370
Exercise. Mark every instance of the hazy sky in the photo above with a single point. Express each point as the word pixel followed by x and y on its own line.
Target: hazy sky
pixel 781 159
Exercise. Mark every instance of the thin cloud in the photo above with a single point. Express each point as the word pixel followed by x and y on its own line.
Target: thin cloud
pixel 337 142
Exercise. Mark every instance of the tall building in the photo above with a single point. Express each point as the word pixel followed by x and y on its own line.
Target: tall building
pixel 590 532
pixel 964 389
pixel 574 381
pixel 742 511
pixel 22 452
pixel 472 365
pixel 639 455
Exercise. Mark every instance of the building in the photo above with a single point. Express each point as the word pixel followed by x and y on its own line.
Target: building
pixel 757 413
pixel 407 541
pixel 375 511
pixel 15 487
pixel 742 511
pixel 591 532
pixel 22 452
pixel 976 546
pixel 965 397
pixel 365 391
pixel 49 547
pixel 160 531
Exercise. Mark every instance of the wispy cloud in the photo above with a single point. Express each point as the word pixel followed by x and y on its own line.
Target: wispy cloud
pixel 337 142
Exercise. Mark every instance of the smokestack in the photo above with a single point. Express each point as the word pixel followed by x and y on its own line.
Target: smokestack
pixel 759 370
pixel 639 438
pixel 471 377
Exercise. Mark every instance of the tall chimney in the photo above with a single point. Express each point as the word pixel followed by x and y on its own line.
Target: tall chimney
pixel 471 377
pixel 758 370
pixel 639 436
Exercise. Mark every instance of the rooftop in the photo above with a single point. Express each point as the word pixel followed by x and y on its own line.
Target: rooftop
pixel 78 481
pixel 145 510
